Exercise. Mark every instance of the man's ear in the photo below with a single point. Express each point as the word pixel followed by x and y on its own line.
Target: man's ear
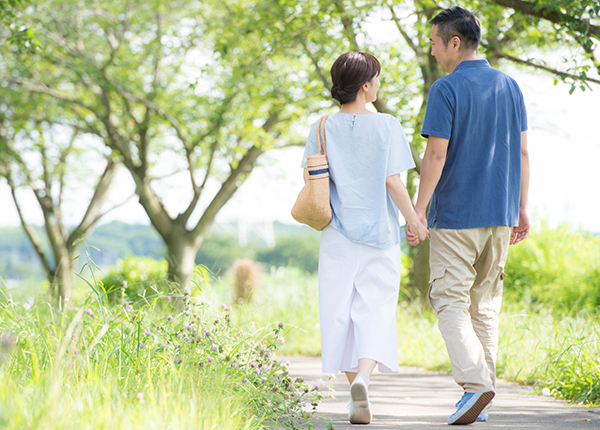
pixel 455 42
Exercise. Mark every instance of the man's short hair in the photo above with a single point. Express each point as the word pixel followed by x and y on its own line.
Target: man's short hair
pixel 458 22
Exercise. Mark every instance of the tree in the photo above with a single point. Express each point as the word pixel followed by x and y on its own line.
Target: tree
pixel 202 89
pixel 171 89
pixel 44 158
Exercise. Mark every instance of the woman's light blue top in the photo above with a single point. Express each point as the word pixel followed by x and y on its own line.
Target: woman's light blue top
pixel 363 150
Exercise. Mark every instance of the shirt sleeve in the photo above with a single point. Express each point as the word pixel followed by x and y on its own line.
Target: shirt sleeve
pixel 438 114
pixel 311 145
pixel 399 159
pixel 523 115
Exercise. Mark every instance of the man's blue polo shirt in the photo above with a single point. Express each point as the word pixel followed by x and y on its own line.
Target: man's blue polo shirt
pixel 481 112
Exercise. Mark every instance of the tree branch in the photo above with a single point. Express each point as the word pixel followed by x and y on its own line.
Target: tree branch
pixel 553 15
pixel 31 233
pixel 418 52
pixel 545 68
pixel 39 87
pixel 99 197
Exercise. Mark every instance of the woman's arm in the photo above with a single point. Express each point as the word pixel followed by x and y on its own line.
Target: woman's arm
pixel 399 195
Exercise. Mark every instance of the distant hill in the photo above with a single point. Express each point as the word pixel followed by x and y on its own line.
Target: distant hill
pixel 109 242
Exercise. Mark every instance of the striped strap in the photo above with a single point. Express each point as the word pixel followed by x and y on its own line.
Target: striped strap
pixel 322 147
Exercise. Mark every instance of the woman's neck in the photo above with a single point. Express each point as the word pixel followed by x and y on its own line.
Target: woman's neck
pixel 355 108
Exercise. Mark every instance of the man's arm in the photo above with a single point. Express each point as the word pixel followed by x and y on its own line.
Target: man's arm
pixel 431 171
pixel 522 230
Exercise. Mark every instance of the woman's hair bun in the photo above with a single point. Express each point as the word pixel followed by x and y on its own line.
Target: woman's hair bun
pixel 350 72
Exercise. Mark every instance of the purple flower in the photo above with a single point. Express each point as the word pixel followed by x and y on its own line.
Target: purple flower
pixel 10 301
pixel 90 312
pixel 257 371
pixel 214 348
pixel 280 325
pixel 124 283
pixel 245 380
pixel 234 365
pixel 163 345
pixel 169 318
pixel 189 328
pixel 177 360
pixel 317 388
pixel 264 379
pixel 280 339
pixel 187 308
pixel 148 333
pixel 253 365
pixel 210 359
pixel 224 306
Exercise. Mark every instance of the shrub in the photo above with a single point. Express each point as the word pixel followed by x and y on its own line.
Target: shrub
pixel 296 250
pixel 558 267
pixel 136 277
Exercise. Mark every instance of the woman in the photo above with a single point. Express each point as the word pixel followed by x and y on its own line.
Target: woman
pixel 359 258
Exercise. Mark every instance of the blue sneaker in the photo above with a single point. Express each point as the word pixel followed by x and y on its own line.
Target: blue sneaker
pixel 483 417
pixel 470 406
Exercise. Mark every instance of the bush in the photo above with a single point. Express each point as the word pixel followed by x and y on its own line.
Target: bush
pixel 219 251
pixel 137 277
pixel 296 250
pixel 559 268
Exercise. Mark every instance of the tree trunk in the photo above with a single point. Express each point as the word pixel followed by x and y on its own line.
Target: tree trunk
pixel 421 270
pixel 181 257
pixel 61 278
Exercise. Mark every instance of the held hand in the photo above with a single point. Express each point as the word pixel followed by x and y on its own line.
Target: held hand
pixel 417 231
pixel 522 230
pixel 420 230
pixel 411 238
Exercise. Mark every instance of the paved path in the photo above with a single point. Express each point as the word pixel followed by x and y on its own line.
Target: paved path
pixel 420 400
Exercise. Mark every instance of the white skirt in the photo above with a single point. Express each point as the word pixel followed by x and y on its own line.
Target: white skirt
pixel 358 295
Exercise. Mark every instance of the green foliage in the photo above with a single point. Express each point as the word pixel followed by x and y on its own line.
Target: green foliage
pixel 573 370
pixel 557 268
pixel 136 277
pixel 296 250
pixel 143 278
pixel 219 251
pixel 189 370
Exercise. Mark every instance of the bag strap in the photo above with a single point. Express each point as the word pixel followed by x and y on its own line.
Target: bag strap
pixel 321 144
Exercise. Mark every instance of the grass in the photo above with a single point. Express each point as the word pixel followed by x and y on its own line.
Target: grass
pixel 143 365
pixel 140 365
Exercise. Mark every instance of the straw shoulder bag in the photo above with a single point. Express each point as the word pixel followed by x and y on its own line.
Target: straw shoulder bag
pixel 312 206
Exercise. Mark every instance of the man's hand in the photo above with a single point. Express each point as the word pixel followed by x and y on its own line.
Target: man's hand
pixel 522 230
pixel 412 237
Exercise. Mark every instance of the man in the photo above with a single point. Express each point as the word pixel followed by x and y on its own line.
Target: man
pixel 475 172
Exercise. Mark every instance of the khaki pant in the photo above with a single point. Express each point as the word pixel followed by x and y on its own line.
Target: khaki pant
pixel 467 270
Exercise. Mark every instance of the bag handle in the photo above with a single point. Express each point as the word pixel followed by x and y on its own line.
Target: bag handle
pixel 321 144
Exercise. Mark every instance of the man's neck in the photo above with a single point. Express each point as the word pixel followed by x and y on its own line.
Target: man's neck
pixel 467 56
